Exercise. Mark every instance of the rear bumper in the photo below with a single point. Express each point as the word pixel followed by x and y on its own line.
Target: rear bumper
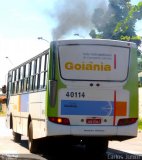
pixel 111 132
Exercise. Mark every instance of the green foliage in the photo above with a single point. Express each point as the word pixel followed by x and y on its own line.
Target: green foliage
pixel 117 21
pixel 0 107
pixel 94 35
pixel 135 39
pixel 2 113
pixel 140 124
pixel 134 14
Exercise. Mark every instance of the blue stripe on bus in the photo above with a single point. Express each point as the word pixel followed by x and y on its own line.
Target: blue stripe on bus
pixel 25 103
pixel 96 108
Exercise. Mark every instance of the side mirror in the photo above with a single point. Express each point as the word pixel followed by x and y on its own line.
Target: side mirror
pixel 3 89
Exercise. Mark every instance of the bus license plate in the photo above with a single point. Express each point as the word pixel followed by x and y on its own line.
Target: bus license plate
pixel 93 121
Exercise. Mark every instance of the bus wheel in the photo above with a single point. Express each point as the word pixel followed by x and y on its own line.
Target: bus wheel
pixel 97 148
pixel 16 137
pixel 31 142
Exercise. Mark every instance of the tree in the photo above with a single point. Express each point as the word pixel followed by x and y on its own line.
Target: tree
pixel 117 21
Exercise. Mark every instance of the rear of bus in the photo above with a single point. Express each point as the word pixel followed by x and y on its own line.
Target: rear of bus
pixel 93 89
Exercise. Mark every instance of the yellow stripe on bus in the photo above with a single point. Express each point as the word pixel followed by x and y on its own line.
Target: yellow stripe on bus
pixel 18 103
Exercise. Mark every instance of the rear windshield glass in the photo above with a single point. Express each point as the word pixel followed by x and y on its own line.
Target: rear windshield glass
pixel 93 62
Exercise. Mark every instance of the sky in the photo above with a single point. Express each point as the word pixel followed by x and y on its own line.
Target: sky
pixel 23 21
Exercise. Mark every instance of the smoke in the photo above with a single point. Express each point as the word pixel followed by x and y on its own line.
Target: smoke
pixel 72 15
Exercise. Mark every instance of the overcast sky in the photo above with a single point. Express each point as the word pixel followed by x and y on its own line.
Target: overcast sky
pixel 22 21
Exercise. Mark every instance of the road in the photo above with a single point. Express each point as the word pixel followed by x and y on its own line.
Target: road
pixel 8 148
pixel 117 150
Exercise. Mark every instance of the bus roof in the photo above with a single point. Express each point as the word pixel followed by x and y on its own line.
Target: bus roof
pixel 95 41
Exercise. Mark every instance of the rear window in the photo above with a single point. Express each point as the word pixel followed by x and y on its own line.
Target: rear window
pixel 93 62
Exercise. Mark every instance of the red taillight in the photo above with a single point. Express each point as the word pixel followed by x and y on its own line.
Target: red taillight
pixel 59 120
pixel 126 121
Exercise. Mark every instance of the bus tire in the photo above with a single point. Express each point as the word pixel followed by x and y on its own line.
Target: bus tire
pixel 16 137
pixel 31 142
pixel 97 148
pixel 11 121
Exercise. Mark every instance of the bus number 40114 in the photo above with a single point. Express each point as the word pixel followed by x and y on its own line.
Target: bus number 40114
pixel 75 94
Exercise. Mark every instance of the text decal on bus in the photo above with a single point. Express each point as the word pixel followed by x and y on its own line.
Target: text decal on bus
pixel 94 62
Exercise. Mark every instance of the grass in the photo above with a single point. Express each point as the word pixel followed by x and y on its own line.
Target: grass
pixel 140 124
pixel 2 114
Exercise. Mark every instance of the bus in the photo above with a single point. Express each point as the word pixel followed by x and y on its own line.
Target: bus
pixel 77 91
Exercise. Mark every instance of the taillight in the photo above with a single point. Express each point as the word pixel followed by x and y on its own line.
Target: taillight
pixel 126 121
pixel 59 120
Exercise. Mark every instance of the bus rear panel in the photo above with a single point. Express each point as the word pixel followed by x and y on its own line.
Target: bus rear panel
pixel 92 89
